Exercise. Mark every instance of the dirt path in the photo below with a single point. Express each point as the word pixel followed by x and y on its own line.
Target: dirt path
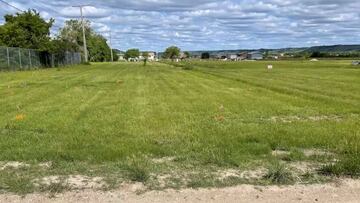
pixel 342 191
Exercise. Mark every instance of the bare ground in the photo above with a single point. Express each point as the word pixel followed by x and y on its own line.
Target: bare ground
pixel 346 190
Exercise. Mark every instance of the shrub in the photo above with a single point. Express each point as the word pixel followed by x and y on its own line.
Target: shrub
pixel 137 169
pixel 279 174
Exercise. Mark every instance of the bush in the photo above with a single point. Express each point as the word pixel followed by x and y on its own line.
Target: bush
pixel 137 169
pixel 279 174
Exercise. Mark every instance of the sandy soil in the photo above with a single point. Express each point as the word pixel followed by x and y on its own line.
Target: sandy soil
pixel 341 191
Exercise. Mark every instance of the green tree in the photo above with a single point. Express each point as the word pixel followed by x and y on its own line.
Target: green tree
pixel 132 53
pixel 187 54
pixel 205 55
pixel 72 40
pixel 98 48
pixel 26 30
pixel 71 35
pixel 115 54
pixel 172 53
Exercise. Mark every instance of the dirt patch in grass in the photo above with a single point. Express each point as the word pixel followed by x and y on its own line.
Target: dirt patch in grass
pixel 163 160
pixel 304 166
pixel 302 153
pixel 317 152
pixel 73 182
pixel 244 174
pixel 345 190
pixel 45 165
pixel 290 119
pixel 129 187
pixel 280 152
pixel 13 165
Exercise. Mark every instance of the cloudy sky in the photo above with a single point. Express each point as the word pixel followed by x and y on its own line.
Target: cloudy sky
pixel 211 24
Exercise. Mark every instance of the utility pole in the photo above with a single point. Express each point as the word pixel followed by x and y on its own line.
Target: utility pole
pixel 112 54
pixel 83 29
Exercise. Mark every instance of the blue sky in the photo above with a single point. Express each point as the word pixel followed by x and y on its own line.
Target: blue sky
pixel 211 24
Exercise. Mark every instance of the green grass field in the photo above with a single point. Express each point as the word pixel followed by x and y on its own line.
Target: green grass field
pixel 124 121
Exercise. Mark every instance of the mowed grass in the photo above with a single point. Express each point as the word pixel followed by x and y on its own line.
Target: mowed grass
pixel 114 120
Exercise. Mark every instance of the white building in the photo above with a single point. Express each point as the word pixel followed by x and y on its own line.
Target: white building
pixel 152 56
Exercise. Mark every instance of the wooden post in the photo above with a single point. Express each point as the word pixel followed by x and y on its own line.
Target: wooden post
pixel 8 57
pixel 20 58
pixel 30 59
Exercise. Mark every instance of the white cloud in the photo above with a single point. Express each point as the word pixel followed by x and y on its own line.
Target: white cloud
pixel 212 24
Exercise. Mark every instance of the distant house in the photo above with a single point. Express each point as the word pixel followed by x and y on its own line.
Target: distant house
pixel 242 56
pixel 232 57
pixel 182 55
pixel 133 59
pixel 222 57
pixel 121 56
pixel 255 55
pixel 237 57
pixel 152 56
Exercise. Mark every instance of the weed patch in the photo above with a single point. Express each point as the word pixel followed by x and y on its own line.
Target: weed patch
pixel 348 165
pixel 279 174
pixel 137 169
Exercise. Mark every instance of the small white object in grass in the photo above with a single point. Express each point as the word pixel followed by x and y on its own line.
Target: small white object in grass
pixel 356 63
pixel 270 67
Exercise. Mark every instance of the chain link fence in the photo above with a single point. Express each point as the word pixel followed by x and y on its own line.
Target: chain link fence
pixel 13 59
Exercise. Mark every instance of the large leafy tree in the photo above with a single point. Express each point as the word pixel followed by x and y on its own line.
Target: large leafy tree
pixel 71 39
pixel 172 52
pixel 26 30
pixel 132 53
pixel 71 35
pixel 98 48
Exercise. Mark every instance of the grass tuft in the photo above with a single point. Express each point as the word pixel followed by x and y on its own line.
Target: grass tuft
pixel 137 169
pixel 279 174
pixel 347 166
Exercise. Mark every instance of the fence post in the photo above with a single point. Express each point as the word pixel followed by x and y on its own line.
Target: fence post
pixel 30 59
pixel 20 58
pixel 8 57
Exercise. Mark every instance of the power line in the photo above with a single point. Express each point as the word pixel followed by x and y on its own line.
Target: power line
pixel 11 5
pixel 83 26
pixel 18 9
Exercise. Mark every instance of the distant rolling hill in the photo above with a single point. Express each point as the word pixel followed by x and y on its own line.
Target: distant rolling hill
pixel 334 48
pixel 327 49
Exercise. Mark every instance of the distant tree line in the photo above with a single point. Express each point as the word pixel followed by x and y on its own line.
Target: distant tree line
pixel 318 54
pixel 172 52
pixel 29 30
